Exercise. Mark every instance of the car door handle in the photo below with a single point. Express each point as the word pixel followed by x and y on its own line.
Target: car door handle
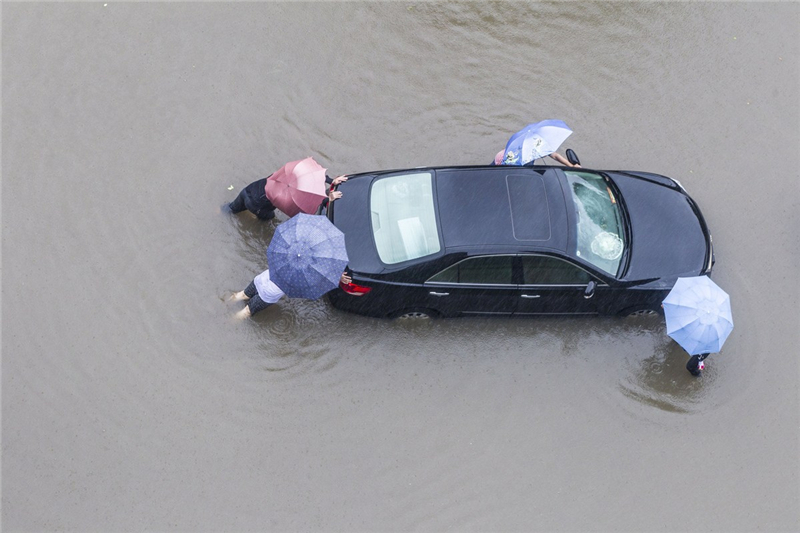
pixel 530 295
pixel 439 293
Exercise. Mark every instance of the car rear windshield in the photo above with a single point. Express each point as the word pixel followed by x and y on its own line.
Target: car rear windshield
pixel 403 217
pixel 600 236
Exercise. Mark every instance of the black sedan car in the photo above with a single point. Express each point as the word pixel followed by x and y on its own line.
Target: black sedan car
pixel 502 240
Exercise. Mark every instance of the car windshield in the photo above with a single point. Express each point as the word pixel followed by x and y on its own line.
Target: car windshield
pixel 600 236
pixel 404 218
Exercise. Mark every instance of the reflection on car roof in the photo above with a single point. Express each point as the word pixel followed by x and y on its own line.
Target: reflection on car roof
pixel 502 206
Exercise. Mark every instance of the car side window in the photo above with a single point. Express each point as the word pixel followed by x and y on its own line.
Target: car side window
pixel 543 270
pixel 488 270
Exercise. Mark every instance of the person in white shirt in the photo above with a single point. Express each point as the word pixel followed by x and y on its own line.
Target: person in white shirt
pixel 263 292
pixel 260 294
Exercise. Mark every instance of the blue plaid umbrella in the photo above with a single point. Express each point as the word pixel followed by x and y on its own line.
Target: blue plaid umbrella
pixel 535 141
pixel 698 315
pixel 307 256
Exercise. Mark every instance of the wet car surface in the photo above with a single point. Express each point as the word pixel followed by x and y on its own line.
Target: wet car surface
pixel 454 241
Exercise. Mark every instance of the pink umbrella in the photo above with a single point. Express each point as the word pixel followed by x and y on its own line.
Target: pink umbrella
pixel 298 186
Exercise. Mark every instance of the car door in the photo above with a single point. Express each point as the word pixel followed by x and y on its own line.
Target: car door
pixel 553 286
pixel 476 285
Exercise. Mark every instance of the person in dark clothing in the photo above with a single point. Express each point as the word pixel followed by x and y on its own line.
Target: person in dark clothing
pixel 253 198
pixel 695 365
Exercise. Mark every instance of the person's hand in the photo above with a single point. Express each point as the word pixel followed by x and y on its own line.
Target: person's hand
pixel 563 160
pixel 338 179
pixel 333 195
pixel 345 279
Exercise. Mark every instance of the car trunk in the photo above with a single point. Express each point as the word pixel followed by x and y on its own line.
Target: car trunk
pixel 351 215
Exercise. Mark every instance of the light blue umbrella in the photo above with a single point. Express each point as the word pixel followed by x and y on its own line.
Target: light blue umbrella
pixel 307 256
pixel 535 141
pixel 698 315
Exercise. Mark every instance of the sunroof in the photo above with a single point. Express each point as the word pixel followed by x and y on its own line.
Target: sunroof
pixel 530 214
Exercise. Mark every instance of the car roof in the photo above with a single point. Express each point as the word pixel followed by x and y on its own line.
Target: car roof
pixel 503 207
pixel 480 209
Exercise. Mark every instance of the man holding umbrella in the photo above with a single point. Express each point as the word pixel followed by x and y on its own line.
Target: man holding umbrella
pixel 498 159
pixel 307 256
pixel 263 292
pixel 698 316
pixel 536 141
pixel 298 186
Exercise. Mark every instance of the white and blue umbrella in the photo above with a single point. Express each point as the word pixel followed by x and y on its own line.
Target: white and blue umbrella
pixel 535 141
pixel 307 256
pixel 698 315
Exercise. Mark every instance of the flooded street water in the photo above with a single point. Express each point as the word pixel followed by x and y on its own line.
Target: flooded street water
pixel 131 399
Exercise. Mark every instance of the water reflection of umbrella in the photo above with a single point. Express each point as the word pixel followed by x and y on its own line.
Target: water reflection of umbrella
pixel 298 186
pixel 698 315
pixel 535 141
pixel 307 256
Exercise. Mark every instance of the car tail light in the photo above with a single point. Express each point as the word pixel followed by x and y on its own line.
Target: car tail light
pixel 354 289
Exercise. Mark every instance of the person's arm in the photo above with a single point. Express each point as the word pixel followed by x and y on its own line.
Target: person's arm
pixel 333 195
pixel 338 180
pixel 563 160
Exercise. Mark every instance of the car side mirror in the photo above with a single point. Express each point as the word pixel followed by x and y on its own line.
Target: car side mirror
pixel 572 157
pixel 589 292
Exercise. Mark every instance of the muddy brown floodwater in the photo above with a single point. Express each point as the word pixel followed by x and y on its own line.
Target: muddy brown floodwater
pixel 132 401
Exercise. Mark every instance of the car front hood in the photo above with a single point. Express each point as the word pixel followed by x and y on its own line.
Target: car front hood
pixel 668 239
